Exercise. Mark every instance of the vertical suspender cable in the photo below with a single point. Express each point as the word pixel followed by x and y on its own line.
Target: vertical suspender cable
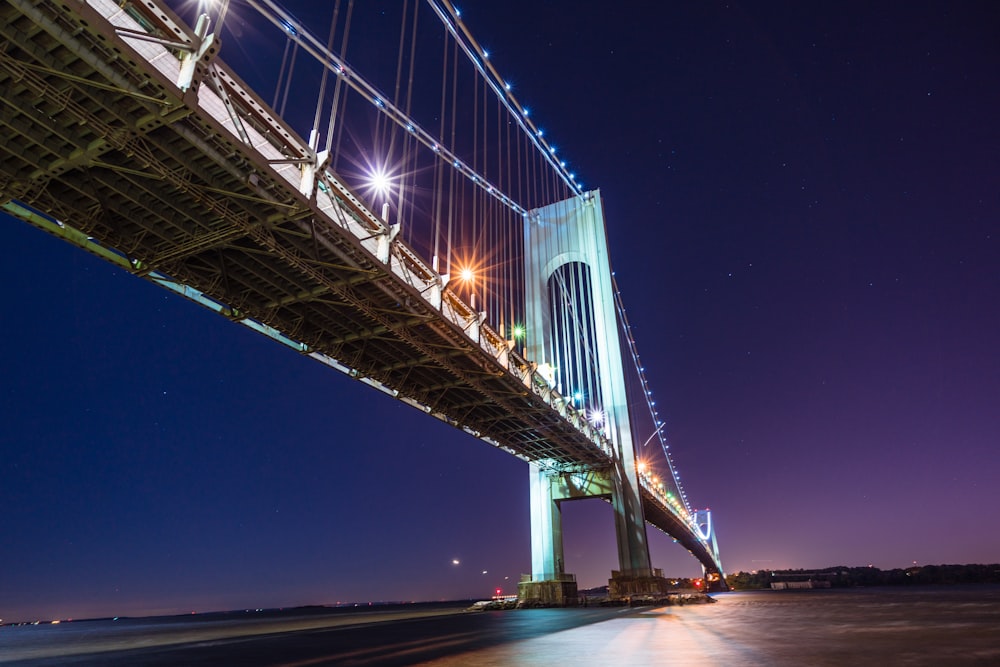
pixel 326 70
pixel 409 170
pixel 391 128
pixel 439 166
pixel 336 109
pixel 453 176
pixel 281 72
pixel 288 79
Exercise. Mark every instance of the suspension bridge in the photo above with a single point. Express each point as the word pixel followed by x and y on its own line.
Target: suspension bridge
pixel 428 241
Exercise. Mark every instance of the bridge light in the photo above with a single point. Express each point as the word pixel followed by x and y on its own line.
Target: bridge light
pixel 518 331
pixel 486 54
pixel 379 182
pixel 466 274
pixel 596 417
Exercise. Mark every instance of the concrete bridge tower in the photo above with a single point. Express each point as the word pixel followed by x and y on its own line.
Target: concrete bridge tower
pixel 571 332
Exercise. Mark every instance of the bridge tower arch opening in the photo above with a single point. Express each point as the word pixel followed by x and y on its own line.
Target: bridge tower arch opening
pixel 572 335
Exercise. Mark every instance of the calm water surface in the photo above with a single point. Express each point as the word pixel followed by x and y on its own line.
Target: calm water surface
pixel 879 626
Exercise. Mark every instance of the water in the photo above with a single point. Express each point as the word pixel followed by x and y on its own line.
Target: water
pixel 878 626
pixel 884 626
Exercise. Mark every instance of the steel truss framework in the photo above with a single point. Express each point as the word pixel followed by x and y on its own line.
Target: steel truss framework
pixel 195 184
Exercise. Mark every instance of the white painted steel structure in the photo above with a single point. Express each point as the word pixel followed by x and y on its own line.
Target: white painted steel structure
pixel 130 139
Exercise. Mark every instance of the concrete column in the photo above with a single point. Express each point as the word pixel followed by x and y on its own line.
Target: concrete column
pixel 630 525
pixel 546 527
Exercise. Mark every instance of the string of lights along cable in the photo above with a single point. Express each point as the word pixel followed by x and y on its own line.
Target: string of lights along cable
pixel 460 184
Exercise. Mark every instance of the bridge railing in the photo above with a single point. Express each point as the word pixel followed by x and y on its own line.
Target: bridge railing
pixel 666 498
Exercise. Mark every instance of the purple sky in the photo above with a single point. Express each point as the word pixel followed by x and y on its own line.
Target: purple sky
pixel 803 209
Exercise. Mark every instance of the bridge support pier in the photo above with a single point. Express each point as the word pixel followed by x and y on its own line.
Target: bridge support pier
pixel 572 325
pixel 624 585
pixel 548 584
pixel 714 581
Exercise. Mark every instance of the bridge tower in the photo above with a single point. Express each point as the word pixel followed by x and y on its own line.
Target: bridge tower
pixel 572 334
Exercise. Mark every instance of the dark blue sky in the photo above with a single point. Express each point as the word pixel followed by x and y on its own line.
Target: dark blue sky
pixel 803 215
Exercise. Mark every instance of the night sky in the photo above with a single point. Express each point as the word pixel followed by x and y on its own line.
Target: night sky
pixel 803 206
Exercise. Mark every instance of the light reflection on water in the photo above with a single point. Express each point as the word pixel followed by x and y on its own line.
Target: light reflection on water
pixel 943 626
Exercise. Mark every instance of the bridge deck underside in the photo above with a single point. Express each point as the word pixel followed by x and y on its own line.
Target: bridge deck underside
pixel 660 517
pixel 95 137
pixel 144 173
